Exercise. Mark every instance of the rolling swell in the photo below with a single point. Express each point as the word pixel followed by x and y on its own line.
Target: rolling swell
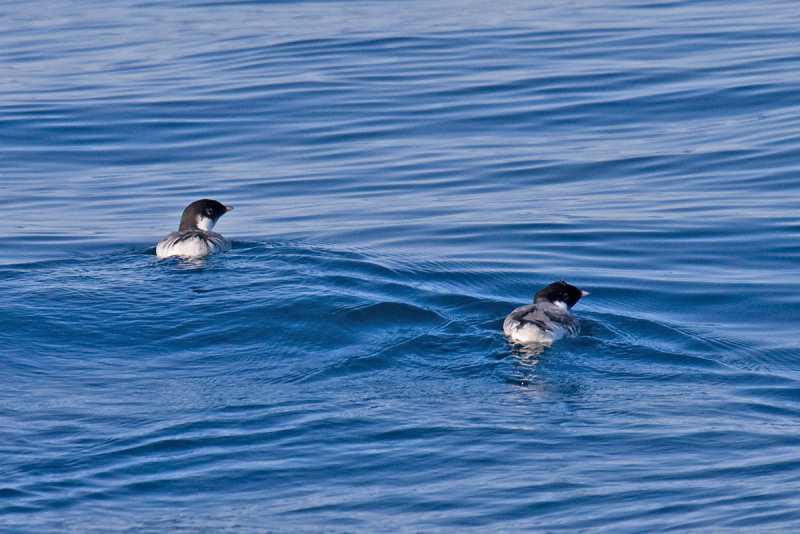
pixel 302 324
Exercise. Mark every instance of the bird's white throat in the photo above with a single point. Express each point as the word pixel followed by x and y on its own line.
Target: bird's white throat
pixel 205 223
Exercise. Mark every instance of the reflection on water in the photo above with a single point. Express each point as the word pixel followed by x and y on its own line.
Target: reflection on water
pixel 526 360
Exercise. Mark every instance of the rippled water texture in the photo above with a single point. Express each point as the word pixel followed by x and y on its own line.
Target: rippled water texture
pixel 404 174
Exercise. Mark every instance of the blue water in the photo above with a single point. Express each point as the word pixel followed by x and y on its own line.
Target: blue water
pixel 403 175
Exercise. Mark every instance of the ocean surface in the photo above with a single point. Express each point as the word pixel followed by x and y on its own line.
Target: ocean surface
pixel 404 174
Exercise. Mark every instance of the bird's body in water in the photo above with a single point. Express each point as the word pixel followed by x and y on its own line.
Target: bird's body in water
pixel 194 238
pixel 548 318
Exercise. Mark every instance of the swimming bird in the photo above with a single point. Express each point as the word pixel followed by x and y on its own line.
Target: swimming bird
pixel 548 318
pixel 194 237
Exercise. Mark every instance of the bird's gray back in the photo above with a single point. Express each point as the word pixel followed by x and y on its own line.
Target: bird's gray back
pixel 546 316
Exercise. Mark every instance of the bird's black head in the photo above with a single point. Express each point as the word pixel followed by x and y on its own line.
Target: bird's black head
pixel 560 291
pixel 202 215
